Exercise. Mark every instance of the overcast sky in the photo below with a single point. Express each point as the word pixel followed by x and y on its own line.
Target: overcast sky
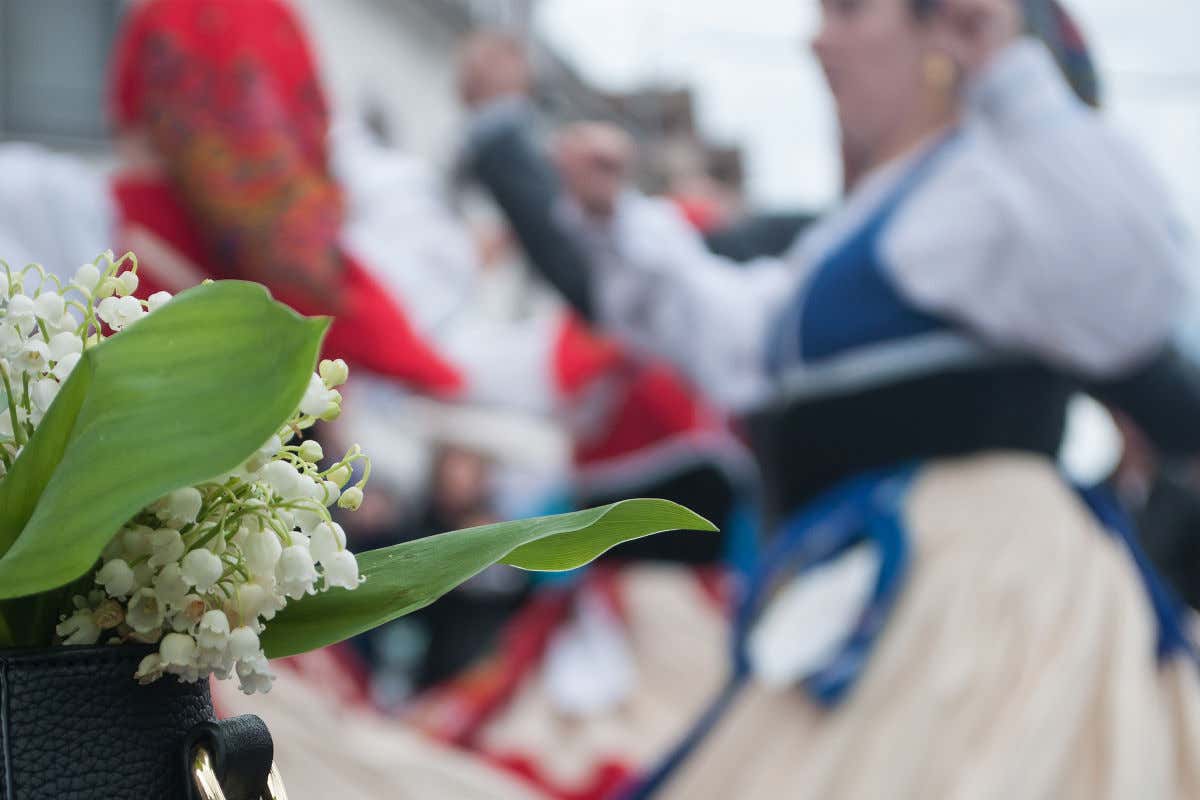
pixel 757 84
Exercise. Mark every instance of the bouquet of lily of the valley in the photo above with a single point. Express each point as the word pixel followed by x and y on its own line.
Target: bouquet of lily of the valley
pixel 156 485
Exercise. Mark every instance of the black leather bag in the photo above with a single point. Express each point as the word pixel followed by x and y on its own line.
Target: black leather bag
pixel 75 725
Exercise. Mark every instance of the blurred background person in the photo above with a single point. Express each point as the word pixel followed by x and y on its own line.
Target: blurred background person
pixel 989 249
pixel 632 429
pixel 222 130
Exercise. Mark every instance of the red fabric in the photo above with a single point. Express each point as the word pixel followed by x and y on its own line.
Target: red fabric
pixel 655 404
pixel 702 213
pixel 581 356
pixel 370 332
pixel 222 35
pixel 605 782
pixel 457 710
pixel 650 402
pixel 226 93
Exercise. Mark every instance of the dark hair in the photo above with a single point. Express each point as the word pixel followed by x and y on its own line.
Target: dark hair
pixel 923 8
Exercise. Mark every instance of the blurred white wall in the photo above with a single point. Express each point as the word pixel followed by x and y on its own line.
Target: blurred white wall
pixel 397 56
pixel 757 83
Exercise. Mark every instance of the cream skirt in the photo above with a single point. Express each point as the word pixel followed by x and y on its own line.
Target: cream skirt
pixel 1019 662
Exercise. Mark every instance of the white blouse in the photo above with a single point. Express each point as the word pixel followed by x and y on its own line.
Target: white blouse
pixel 55 210
pixel 1041 232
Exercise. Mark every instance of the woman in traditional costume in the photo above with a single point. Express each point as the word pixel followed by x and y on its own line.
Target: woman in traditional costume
pixel 941 614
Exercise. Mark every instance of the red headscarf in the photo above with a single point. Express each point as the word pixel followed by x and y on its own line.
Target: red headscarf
pixel 228 94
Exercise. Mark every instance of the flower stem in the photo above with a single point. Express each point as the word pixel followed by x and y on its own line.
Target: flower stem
pixel 18 432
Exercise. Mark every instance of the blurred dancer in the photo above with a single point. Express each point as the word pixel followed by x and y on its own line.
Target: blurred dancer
pixel 941 614
pixel 222 132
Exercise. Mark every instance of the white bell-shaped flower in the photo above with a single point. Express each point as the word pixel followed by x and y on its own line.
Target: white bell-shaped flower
pixel 127 283
pixel 340 476
pixel 179 654
pixel 116 577
pixel 213 631
pixel 308 519
pixel 43 392
pixel 64 366
pixel 158 300
pixel 202 569
pixel 180 507
pixel 130 310
pixel 79 628
pixel 327 539
pixel 306 488
pixel 261 551
pixel 247 603
pixel 285 518
pixel 170 586
pixel 49 307
pixel 333 373
pixel 120 312
pixel 64 344
pixel 11 340
pixel 166 546
pixel 145 611
pixel 216 544
pixel 254 675
pixel 150 669
pixel 283 479
pixel 215 660
pixel 351 498
pixel 35 355
pixel 87 277
pixel 108 310
pixel 67 323
pixel 342 570
pixel 20 310
pixel 311 451
pixel 243 643
pixel 143 575
pixel 137 541
pixel 318 399
pixel 264 454
pixel 189 612
pixel 6 425
pixel 296 572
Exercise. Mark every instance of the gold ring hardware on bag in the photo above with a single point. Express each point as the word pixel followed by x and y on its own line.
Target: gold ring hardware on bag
pixel 210 788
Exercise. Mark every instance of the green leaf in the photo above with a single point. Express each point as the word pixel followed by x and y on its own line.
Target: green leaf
pixel 409 576
pixel 184 395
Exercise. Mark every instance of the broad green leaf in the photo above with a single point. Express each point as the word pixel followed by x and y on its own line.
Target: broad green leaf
pixel 182 396
pixel 409 576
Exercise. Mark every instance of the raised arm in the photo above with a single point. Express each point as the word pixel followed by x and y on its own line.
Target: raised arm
pixel 505 159
pixel 1077 256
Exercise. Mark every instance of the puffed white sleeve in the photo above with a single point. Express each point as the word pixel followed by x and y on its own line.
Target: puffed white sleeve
pixel 1046 232
pixel 659 289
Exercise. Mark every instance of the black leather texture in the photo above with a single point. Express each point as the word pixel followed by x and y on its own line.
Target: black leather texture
pixel 242 752
pixel 75 725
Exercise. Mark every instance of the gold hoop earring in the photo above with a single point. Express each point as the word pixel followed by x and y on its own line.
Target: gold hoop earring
pixel 940 72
